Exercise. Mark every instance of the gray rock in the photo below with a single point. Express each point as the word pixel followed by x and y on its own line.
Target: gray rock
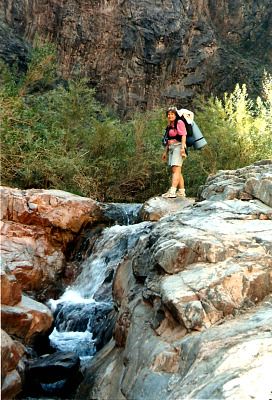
pixel 252 182
pixel 54 374
pixel 194 300
pixel 55 367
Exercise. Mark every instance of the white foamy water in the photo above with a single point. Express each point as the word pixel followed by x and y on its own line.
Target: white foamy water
pixel 71 296
pixel 76 310
pixel 81 343
pixel 107 253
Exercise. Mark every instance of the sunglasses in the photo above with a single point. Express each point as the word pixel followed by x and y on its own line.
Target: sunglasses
pixel 171 109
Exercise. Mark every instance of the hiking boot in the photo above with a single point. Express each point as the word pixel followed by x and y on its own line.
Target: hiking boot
pixel 170 194
pixel 181 193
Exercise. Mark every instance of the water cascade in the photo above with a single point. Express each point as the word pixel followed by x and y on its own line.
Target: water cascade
pixel 85 312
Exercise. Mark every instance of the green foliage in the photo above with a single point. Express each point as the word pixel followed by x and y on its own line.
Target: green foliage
pixel 238 131
pixel 62 138
pixel 59 136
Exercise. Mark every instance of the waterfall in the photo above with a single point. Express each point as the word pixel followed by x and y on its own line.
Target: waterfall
pixel 123 214
pixel 85 311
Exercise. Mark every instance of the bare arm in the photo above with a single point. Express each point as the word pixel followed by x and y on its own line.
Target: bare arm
pixel 165 154
pixel 183 144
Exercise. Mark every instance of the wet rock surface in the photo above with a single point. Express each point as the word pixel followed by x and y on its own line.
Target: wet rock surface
pixel 53 375
pixel 93 317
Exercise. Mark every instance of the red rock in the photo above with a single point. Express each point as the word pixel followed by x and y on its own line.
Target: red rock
pixel 10 288
pixel 49 208
pixel 27 320
pixel 37 227
pixel 10 378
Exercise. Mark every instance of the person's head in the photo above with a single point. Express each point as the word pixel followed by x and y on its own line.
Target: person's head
pixel 171 113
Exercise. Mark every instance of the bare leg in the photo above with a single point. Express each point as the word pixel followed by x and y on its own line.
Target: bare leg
pixel 177 178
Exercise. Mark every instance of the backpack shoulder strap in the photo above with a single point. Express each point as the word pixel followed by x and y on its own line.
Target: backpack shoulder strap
pixel 187 126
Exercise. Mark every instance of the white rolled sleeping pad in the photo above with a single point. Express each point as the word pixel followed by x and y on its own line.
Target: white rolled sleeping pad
pixel 199 139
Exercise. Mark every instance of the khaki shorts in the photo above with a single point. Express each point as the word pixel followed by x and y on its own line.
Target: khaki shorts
pixel 174 155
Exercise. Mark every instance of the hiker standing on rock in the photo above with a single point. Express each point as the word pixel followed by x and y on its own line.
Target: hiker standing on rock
pixel 176 150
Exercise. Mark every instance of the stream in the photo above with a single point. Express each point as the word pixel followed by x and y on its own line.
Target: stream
pixel 84 313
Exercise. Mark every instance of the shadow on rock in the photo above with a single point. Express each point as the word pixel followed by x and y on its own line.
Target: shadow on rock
pixel 56 375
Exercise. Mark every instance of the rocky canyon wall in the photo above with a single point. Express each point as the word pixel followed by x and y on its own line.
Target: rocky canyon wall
pixel 139 54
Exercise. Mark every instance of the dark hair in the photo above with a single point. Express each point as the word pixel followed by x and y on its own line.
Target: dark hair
pixel 173 109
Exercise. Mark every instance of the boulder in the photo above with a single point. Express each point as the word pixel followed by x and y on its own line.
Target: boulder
pixel 11 366
pixel 220 362
pixel 28 320
pixel 158 207
pixel 21 316
pixel 11 293
pixel 36 263
pixel 55 367
pixel 54 374
pixel 251 182
pixel 48 208
pixel 24 319
pixel 38 227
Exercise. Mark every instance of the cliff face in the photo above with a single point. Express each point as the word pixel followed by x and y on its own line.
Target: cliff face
pixel 139 54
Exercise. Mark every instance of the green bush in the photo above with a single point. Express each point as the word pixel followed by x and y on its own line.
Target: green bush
pixel 238 131
pixel 58 136
pixel 62 138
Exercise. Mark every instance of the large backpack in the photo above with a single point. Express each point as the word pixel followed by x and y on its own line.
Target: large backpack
pixel 194 136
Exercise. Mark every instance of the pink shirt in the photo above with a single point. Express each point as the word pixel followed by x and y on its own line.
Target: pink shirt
pixel 181 129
